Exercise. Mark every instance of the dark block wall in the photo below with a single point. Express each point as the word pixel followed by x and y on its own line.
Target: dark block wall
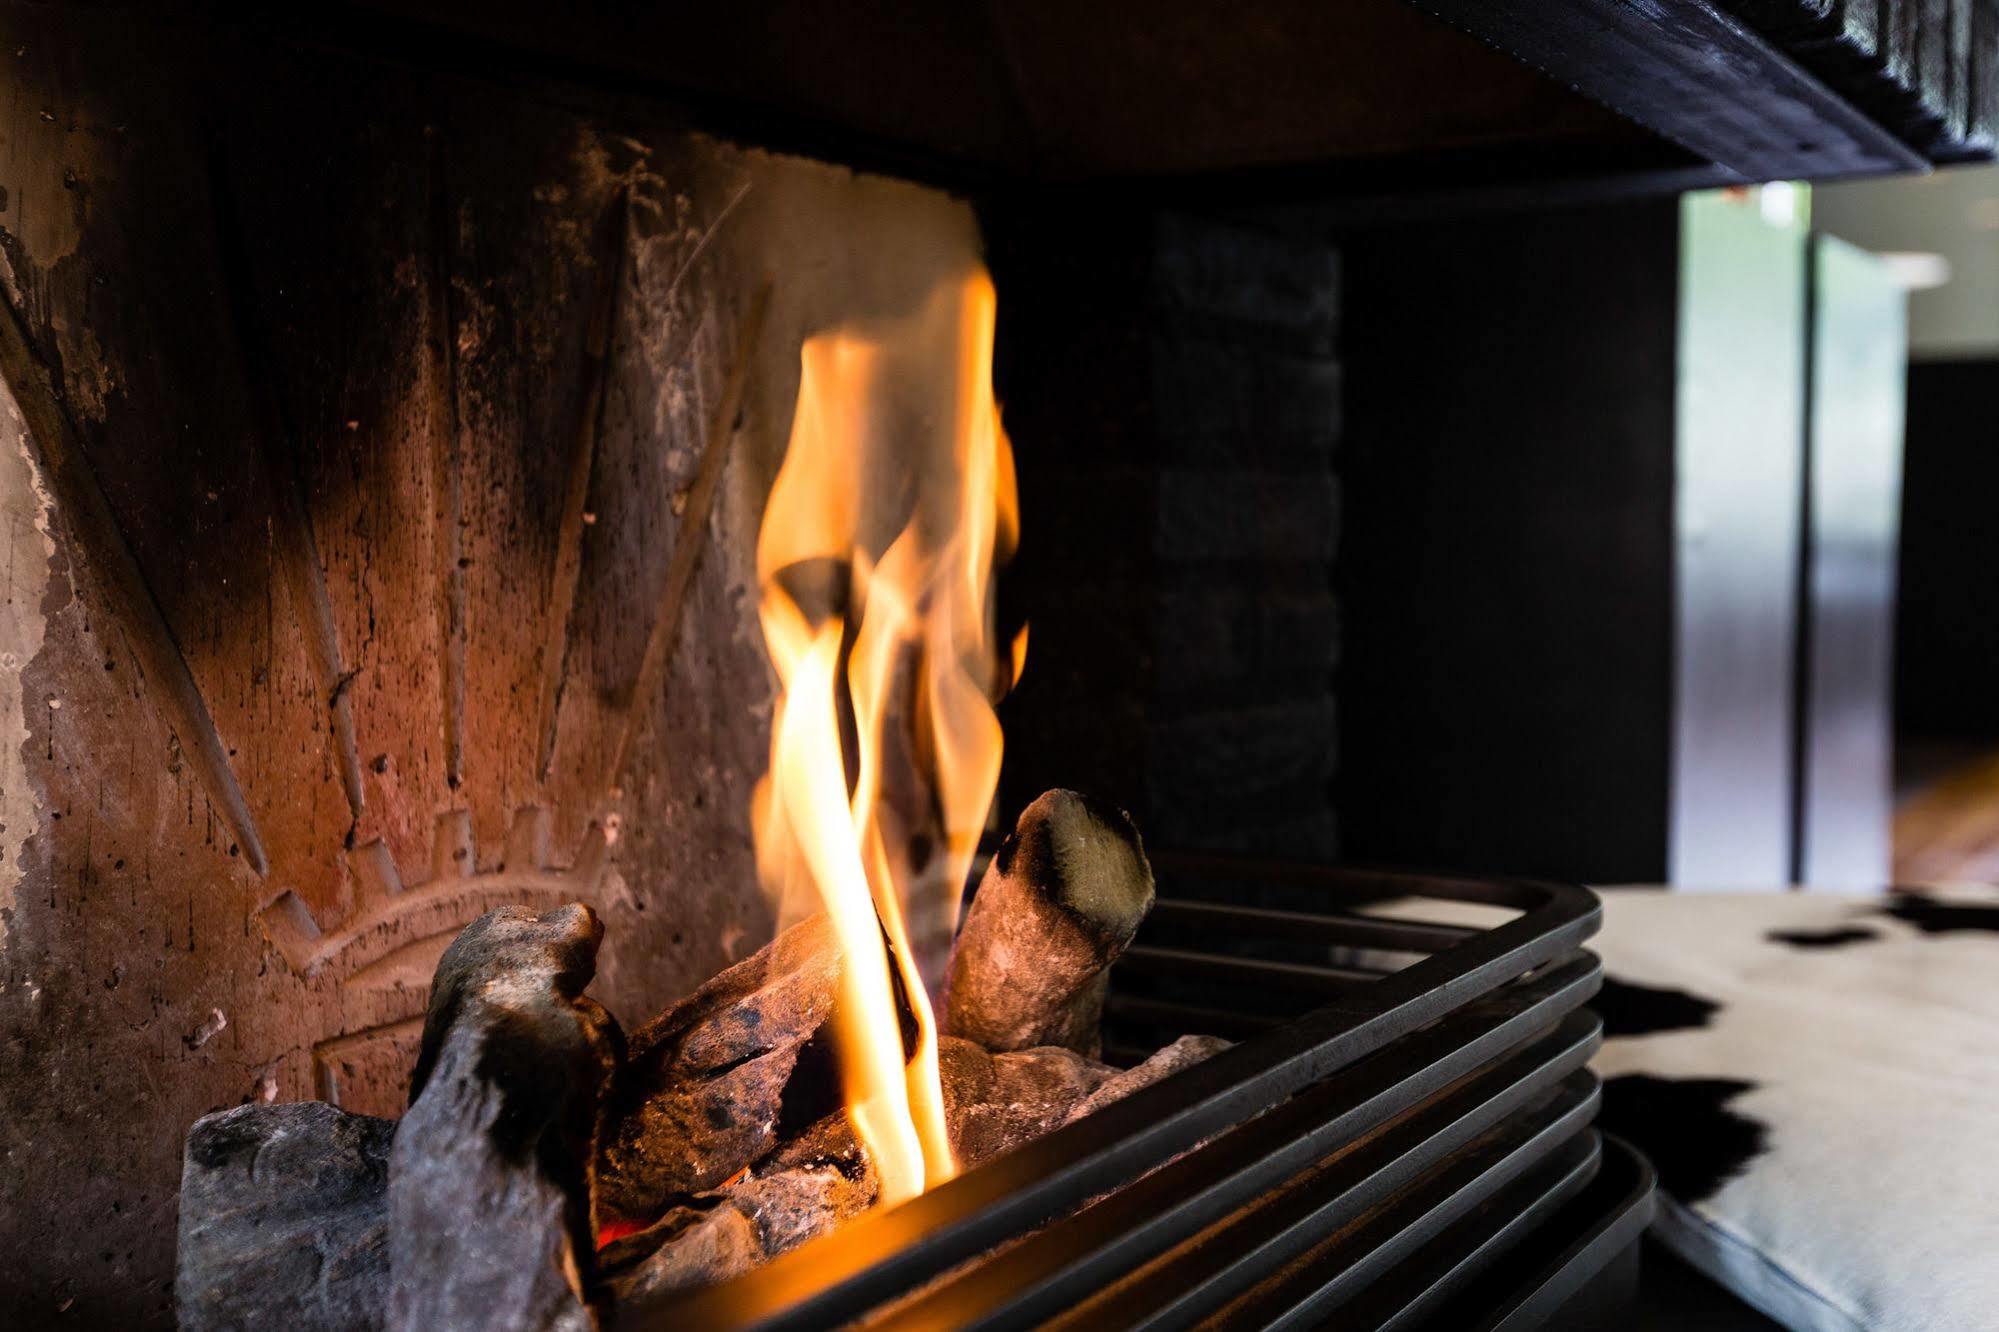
pixel 1505 571
pixel 1947 622
pixel 1172 393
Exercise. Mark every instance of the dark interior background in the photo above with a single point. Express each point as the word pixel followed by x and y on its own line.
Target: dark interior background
pixel 1505 571
pixel 1947 630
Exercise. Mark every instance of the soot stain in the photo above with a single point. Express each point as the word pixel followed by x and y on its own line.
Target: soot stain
pixel 813 1090
pixel 1684 1125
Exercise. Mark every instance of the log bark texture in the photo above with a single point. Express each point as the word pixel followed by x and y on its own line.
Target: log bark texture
pixel 704 1089
pixel 284 1220
pixel 992 1103
pixel 1183 1053
pixel 490 1177
pixel 720 1235
pixel 1060 901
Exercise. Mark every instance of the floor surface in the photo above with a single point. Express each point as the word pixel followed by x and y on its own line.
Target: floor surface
pixel 1673 1297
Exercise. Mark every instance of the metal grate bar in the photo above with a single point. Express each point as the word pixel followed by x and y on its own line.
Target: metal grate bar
pixel 879 1257
pixel 1332 927
pixel 1205 1273
pixel 1458 1255
pixel 1187 1019
pixel 1296 977
pixel 1348 1265
pixel 1609 1217
pixel 1071 1258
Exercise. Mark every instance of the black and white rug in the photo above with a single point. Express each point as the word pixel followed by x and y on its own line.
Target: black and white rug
pixel 1816 1079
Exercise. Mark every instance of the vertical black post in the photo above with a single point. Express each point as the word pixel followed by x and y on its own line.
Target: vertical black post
pixel 1801 687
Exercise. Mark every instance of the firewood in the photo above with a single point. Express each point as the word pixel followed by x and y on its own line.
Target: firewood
pixel 490 1178
pixel 692 1246
pixel 1183 1053
pixel 284 1220
pixel 778 996
pixel 992 1104
pixel 701 1094
pixel 1059 902
pixel 725 1233
pixel 995 1102
pixel 476 1210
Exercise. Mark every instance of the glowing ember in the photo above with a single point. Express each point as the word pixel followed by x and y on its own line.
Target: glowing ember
pixel 893 507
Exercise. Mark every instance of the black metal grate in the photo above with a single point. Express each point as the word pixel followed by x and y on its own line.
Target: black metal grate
pixel 1409 1101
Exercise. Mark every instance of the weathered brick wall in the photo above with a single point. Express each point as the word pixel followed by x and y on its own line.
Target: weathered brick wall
pixel 1173 393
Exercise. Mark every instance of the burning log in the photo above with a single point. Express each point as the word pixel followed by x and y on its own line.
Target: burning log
pixel 527 1119
pixel 992 1104
pixel 1057 905
pixel 490 1178
pixel 469 1213
pixel 305 1235
pixel 820 1178
pixel 701 1094
pixel 284 1220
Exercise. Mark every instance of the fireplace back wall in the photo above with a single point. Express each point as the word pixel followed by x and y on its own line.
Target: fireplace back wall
pixel 352 421
pixel 327 512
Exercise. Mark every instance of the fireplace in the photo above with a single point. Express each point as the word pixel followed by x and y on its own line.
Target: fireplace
pixel 395 397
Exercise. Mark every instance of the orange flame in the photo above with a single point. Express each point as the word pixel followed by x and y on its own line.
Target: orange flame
pixel 894 505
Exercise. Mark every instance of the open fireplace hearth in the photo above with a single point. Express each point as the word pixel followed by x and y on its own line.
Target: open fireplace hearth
pixel 544 554
pixel 1399 1136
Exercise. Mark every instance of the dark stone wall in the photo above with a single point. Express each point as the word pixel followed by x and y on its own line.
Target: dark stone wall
pixel 1172 391
pixel 1506 572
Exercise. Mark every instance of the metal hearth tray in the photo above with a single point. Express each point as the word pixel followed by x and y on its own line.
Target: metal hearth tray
pixel 1408 1104
pixel 1557 1275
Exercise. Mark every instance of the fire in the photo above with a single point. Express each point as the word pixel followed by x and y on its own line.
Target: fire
pixel 893 507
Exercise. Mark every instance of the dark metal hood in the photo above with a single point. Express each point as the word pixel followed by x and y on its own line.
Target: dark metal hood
pixel 1297 97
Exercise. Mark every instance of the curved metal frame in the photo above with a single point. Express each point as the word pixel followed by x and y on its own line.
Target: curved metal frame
pixel 882 1256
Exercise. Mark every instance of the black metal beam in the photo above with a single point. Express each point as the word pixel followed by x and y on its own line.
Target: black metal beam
pixel 1295 101
pixel 1541 1273
pixel 1469 1248
pixel 1344 928
pixel 1697 75
pixel 1353 1264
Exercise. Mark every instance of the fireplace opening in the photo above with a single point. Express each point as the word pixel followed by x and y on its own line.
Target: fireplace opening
pixel 720 666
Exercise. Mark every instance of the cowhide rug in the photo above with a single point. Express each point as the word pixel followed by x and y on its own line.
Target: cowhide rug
pixel 1816 1079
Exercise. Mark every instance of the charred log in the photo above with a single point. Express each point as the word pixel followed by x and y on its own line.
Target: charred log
pixel 721 1130
pixel 284 1220
pixel 992 1104
pixel 724 1234
pixel 703 1093
pixel 995 1102
pixel 490 1178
